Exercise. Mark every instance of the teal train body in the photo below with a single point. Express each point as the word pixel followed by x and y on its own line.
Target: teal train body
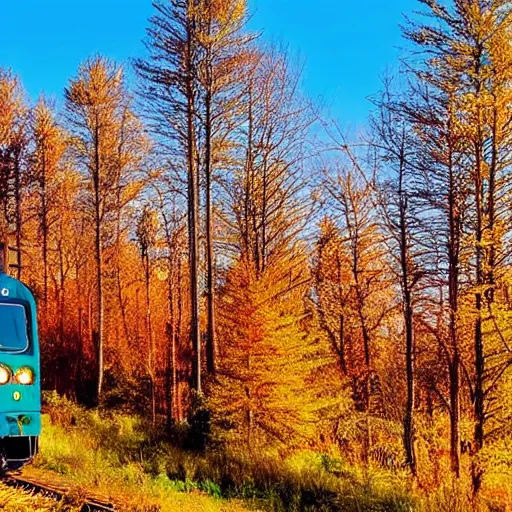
pixel 20 382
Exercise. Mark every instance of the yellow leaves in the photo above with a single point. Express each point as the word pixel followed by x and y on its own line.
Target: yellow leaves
pixel 147 228
pixel 50 139
pixel 228 11
pixel 131 191
pixel 99 81
pixel 218 20
pixel 267 356
pixel 12 108
pixel 107 135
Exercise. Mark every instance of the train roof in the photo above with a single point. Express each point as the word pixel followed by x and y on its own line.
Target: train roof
pixel 11 288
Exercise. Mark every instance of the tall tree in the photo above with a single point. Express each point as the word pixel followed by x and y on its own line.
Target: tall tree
pixel 395 146
pixel 170 86
pixel 14 142
pixel 96 106
pixel 147 228
pixel 224 55
pixel 467 65
pixel 47 162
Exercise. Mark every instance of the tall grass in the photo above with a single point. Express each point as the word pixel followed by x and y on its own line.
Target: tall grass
pixel 114 451
pixel 114 456
pixel 122 456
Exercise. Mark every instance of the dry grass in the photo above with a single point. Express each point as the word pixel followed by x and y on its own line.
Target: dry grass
pixel 119 457
pixel 95 458
pixel 16 500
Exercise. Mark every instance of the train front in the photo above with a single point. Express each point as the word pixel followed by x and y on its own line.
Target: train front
pixel 20 389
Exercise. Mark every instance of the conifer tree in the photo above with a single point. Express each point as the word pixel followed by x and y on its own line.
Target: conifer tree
pixel 467 68
pixel 170 85
pixel 47 162
pixel 263 395
pixel 96 110
pixel 147 228
pixel 14 141
pixel 224 56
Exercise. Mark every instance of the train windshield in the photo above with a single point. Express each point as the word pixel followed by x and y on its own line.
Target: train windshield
pixel 13 328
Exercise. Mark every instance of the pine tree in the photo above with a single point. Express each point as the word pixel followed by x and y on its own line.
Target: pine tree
pixel 170 86
pixel 47 162
pixel 224 56
pixel 97 110
pixel 14 142
pixel 263 396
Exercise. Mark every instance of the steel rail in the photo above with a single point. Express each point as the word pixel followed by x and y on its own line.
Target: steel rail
pixel 89 504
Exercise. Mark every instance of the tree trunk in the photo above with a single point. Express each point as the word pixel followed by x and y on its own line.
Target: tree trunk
pixel 410 456
pixel 211 347
pixel 193 202
pixel 151 358
pixel 478 400
pixel 455 414
pixel 99 259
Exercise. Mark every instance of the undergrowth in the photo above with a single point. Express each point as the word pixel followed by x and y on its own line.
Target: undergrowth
pixel 120 454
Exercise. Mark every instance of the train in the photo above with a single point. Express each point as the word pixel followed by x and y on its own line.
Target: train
pixel 20 382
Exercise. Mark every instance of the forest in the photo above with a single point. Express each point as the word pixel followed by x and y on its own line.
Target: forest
pixel 211 251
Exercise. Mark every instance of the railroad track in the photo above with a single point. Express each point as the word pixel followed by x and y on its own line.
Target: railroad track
pixel 88 503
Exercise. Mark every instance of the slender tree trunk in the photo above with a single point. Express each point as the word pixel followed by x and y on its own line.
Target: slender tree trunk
pixel 249 412
pixel 44 232
pixel 122 308
pixel 99 259
pixel 454 234
pixel 176 381
pixel 341 350
pixel 248 170
pixel 455 414
pixel 62 289
pixel 151 359
pixel 171 350
pixel 264 216
pixel 410 456
pixel 80 347
pixel 17 201
pixel 407 309
pixel 193 201
pixel 211 347
pixel 479 414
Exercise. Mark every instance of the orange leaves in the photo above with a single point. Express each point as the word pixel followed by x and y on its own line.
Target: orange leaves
pixel 12 108
pixel 50 142
pixel 266 358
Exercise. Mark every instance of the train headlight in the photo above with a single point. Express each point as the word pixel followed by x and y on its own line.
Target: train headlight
pixel 25 376
pixel 5 374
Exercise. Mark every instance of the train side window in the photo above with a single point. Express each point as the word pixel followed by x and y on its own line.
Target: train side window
pixel 13 328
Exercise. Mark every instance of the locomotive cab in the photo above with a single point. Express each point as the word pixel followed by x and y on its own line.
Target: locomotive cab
pixel 20 392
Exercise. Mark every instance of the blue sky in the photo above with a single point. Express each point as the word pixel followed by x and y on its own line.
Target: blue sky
pixel 346 45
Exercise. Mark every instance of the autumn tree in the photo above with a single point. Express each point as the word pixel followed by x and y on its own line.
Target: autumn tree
pixel 468 64
pixel 14 141
pixel 224 59
pixel 267 352
pixel 147 228
pixel 97 106
pixel 47 162
pixel 170 86
pixel 263 396
pixel 264 201
pixel 396 149
pixel 332 290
